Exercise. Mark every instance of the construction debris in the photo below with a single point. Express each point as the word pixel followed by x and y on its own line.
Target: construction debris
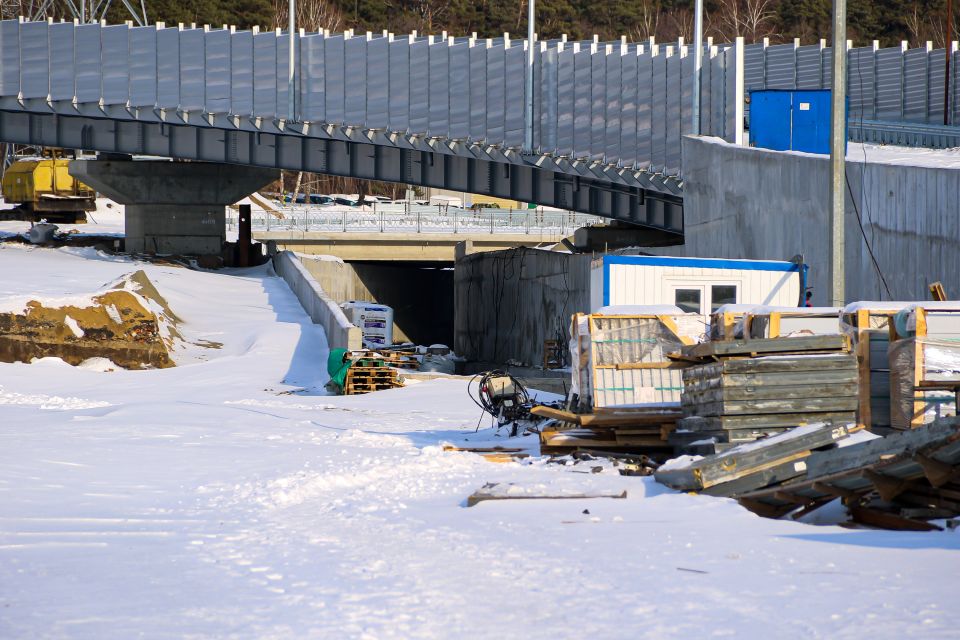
pixel 751 466
pixel 900 481
pixel 626 430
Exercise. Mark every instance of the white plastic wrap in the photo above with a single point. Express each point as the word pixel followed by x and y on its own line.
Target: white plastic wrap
pixel 916 365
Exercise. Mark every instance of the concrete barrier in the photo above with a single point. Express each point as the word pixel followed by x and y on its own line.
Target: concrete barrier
pixel 318 305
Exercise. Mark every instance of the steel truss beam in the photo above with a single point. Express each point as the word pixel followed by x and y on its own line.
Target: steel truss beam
pixel 345 157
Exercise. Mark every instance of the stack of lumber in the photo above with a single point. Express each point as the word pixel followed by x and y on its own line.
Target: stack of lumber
pixel 369 374
pixel 637 430
pixel 750 466
pixel 747 389
pixel 924 357
pixel 901 481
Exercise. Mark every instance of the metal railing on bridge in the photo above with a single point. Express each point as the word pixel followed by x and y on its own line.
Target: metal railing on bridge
pixel 419 219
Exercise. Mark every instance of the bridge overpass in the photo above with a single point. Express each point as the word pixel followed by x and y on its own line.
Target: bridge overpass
pixel 409 232
pixel 425 110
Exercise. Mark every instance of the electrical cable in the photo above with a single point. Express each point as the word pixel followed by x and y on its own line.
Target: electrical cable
pixel 856 210
pixel 863 200
pixel 483 398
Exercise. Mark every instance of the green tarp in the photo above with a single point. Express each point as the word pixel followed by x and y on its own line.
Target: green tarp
pixel 336 367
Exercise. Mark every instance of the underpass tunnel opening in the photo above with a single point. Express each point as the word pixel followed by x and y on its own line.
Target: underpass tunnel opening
pixel 420 294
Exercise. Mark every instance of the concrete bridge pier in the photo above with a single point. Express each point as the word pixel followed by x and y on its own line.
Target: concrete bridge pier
pixel 173 207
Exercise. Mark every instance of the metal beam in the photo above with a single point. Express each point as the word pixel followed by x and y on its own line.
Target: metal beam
pixel 349 159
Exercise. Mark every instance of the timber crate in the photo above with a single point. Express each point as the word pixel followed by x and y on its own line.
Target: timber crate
pixel 726 323
pixel 364 379
pixel 780 322
pixel 868 325
pixel 924 359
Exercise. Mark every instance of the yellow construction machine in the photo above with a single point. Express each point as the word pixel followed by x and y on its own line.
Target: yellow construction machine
pixel 42 188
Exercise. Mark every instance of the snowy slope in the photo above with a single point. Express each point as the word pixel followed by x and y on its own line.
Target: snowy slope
pixel 209 500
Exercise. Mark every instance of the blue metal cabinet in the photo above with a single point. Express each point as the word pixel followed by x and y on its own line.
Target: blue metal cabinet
pixel 790 120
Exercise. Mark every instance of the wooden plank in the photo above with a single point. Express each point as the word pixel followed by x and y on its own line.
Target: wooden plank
pixel 775 379
pixel 758 407
pixel 743 461
pixel 772 393
pixel 800 344
pixel 728 422
pixel 555 414
pixel 764 509
pixel 777 364
pixel 884 520
pixel 481 495
pixel 775 474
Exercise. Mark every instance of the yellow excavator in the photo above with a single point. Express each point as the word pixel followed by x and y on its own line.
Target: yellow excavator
pixel 42 188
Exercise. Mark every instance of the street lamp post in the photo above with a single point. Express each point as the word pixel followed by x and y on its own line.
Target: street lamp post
pixel 291 60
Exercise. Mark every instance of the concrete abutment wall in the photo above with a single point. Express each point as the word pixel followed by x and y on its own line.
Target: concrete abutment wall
pixel 741 202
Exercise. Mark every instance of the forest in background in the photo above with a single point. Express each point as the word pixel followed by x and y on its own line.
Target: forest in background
pixel 889 21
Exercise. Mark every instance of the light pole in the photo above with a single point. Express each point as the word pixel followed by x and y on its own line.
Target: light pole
pixel 291 60
pixel 528 103
pixel 838 148
pixel 697 63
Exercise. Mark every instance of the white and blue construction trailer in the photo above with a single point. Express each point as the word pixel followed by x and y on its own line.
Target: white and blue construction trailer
pixel 695 285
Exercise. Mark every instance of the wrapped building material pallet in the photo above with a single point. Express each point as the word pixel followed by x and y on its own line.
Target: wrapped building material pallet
pixel 868 326
pixel 622 360
pixel 760 387
pixel 778 322
pixel 924 358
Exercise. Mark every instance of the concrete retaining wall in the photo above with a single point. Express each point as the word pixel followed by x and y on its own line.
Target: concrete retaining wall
pixel 508 302
pixel 319 306
pixel 741 202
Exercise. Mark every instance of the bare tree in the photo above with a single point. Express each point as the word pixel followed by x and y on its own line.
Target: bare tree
pixel 650 13
pixel 752 19
pixel 312 15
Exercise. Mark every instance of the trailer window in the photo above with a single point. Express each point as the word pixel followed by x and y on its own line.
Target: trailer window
pixel 687 299
pixel 721 294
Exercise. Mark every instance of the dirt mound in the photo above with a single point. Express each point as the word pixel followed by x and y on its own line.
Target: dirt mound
pixel 130 324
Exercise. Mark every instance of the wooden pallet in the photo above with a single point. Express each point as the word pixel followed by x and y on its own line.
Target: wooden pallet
pixel 364 379
pixel 397 359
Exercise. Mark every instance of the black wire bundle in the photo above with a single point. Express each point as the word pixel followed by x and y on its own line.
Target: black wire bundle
pixel 481 395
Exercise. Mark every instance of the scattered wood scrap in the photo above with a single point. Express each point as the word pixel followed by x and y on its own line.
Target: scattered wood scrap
pixel 493 454
pixel 901 481
pixel 510 491
pixel 751 466
pixel 636 430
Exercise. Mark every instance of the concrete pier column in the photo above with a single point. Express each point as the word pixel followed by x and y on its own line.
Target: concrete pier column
pixel 172 207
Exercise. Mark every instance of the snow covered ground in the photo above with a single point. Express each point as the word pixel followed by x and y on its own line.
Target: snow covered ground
pixel 228 497
pixel 106 220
